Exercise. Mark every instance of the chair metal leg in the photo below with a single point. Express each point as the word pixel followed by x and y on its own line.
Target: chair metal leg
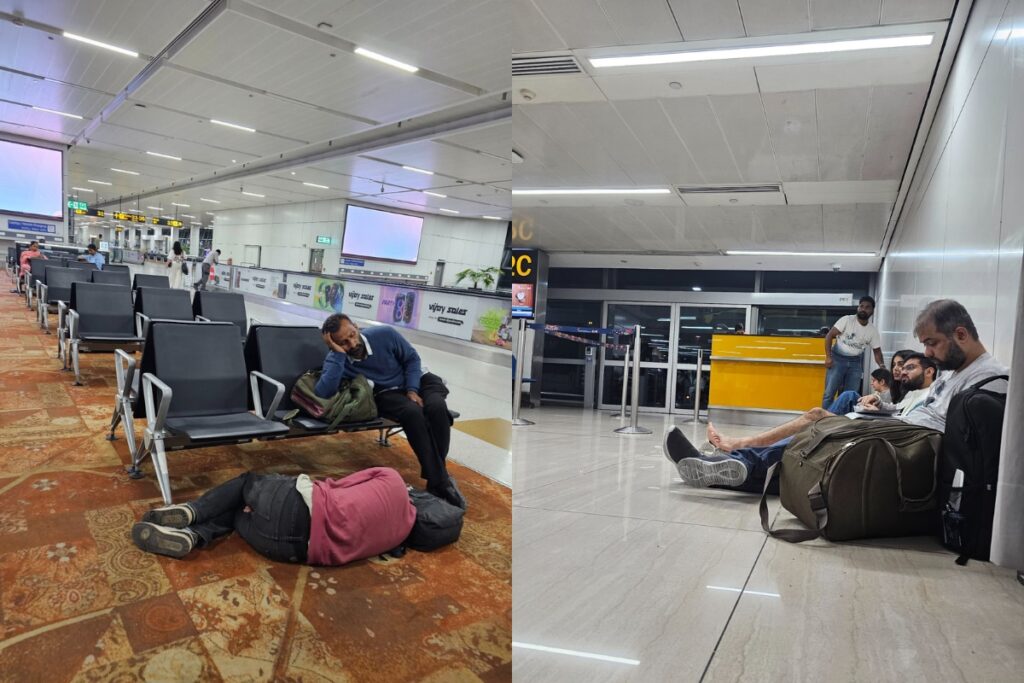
pixel 160 466
pixel 74 361
pixel 382 438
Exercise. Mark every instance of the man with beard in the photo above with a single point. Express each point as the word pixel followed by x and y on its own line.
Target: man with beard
pixel 853 334
pixel 403 392
pixel 950 339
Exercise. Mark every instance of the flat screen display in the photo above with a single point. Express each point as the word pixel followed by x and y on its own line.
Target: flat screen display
pixel 382 235
pixel 31 180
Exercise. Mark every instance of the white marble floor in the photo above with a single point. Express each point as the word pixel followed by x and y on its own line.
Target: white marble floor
pixel 614 558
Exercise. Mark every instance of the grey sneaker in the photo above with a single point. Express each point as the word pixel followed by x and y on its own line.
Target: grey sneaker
pixel 177 516
pixel 163 540
pixel 712 470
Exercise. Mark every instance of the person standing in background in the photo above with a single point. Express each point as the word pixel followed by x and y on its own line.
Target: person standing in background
pixel 208 263
pixel 853 334
pixel 175 263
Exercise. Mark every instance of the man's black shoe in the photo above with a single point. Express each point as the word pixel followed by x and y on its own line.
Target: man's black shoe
pixel 676 446
pixel 450 492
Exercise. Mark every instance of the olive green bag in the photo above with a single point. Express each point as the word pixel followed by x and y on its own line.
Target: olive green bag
pixel 848 479
pixel 353 402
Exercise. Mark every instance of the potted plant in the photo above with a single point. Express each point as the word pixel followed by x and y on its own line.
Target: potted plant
pixel 484 275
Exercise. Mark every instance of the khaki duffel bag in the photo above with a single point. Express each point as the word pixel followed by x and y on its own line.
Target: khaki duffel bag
pixel 848 479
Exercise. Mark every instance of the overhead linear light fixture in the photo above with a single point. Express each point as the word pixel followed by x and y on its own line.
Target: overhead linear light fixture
pixel 448 211
pixel 121 170
pixel 763 51
pixel 322 187
pixel 247 129
pixel 212 201
pixel 493 218
pixel 155 208
pixel 163 156
pixel 105 46
pixel 696 289
pixel 187 215
pixel 435 194
pixel 184 205
pixel 253 194
pixel 99 182
pixel 83 189
pixel 386 60
pixel 593 191
pixel 800 253
pixel 58 113
pixel 418 170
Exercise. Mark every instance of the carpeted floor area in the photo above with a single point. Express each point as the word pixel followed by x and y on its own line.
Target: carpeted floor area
pixel 78 602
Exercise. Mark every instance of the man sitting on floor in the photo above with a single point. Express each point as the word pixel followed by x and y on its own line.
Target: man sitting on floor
pixel 403 392
pixel 949 337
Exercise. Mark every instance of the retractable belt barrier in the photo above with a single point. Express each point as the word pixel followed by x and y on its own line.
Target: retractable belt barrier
pixel 569 333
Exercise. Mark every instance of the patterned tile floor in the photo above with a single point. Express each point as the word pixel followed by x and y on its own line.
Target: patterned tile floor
pixel 74 590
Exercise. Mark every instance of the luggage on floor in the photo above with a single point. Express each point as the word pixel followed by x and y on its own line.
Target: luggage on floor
pixel 353 402
pixel 969 469
pixel 437 524
pixel 848 479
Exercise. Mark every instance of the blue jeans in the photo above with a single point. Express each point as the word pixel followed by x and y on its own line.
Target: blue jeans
pixel 844 375
pixel 844 403
pixel 758 460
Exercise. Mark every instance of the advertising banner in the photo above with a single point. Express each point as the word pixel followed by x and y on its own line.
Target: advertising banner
pixel 399 306
pixel 219 275
pixel 254 281
pixel 452 315
pixel 28 226
pixel 301 290
pixel 362 300
pixel 329 295
pixel 493 324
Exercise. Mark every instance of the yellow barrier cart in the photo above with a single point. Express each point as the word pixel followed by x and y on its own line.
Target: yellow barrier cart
pixel 762 380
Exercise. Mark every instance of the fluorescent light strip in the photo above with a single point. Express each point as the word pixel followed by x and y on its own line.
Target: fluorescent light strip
pixel 121 170
pixel 212 201
pixel 322 187
pixel 493 218
pixel 155 208
pixel 740 590
pixel 163 156
pixel 765 51
pixel 386 60
pixel 247 129
pixel 253 194
pixel 105 46
pixel 799 253
pixel 592 191
pixel 435 194
pixel 448 210
pixel 418 170
pixel 187 215
pixel 99 182
pixel 575 653
pixel 83 189
pixel 184 205
pixel 58 113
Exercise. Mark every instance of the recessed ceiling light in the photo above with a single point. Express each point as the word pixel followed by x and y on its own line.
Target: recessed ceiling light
pixel 418 170
pixel 386 60
pixel 155 208
pixel 163 156
pixel 105 46
pixel 293 172
pixel 798 253
pixel 58 113
pixel 449 210
pixel 435 194
pixel 177 204
pixel 186 215
pixel 322 187
pixel 764 51
pixel 493 218
pixel 121 170
pixel 696 289
pixel 212 201
pixel 582 191
pixel 83 189
pixel 99 182
pixel 253 194
pixel 247 129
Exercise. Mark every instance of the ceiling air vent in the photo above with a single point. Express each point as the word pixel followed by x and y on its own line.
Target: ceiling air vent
pixel 545 66
pixel 732 195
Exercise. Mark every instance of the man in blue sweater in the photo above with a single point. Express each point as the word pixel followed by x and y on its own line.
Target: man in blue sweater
pixel 402 390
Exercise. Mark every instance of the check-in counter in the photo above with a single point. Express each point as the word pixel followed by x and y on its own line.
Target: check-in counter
pixel 755 378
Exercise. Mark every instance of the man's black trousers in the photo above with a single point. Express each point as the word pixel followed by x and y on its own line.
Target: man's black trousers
pixel 428 429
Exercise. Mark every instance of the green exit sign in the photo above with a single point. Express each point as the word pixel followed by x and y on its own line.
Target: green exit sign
pixel 72 204
pixel 323 239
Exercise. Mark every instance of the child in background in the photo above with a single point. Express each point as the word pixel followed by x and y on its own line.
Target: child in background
pixel 881 380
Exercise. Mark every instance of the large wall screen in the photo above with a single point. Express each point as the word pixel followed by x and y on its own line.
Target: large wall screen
pixel 31 180
pixel 383 235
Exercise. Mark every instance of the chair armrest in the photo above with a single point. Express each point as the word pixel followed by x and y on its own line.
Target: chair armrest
pixel 256 375
pixel 157 418
pixel 124 367
pixel 254 321
pixel 41 292
pixel 202 319
pixel 73 319
pixel 141 324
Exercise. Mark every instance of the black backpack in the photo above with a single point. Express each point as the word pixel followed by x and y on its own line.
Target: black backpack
pixel 974 429
pixel 438 522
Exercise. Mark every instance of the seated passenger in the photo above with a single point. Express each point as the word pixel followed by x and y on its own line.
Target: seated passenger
pixel 403 392
pixel 949 337
pixel 289 519
pixel 881 381
pixel 93 256
pixel 29 254
pixel 896 368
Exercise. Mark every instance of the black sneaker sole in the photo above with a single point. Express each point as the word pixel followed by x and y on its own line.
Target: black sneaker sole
pixel 153 539
pixel 174 517
pixel 703 473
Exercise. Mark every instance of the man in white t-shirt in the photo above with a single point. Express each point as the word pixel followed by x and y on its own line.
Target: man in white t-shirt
pixel 853 335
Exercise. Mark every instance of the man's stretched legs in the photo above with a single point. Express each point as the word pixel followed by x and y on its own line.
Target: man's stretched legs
pixel 844 403
pixel 727 444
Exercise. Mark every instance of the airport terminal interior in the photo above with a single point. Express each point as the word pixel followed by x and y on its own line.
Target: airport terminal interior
pixel 623 233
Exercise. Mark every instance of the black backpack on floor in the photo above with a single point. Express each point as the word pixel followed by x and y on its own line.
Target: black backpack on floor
pixel 437 524
pixel 974 429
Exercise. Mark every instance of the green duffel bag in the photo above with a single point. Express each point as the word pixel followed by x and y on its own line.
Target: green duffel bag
pixel 848 479
pixel 353 402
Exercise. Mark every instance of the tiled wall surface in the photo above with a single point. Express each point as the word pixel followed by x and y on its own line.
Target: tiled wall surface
pixel 287 232
pixel 962 231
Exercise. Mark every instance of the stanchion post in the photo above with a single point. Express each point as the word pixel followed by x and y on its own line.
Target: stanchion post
pixel 698 385
pixel 634 427
pixel 625 382
pixel 517 381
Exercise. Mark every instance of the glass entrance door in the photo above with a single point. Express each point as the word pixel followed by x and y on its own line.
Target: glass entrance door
pixel 693 326
pixel 655 341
